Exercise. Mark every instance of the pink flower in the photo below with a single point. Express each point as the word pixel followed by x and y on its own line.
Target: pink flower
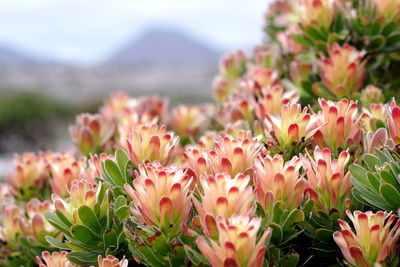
pixel 223 87
pixel 190 121
pixel 317 13
pixel 234 155
pixel 389 10
pixel 35 227
pixel 276 180
pixel 30 172
pixel 293 127
pixel 377 113
pixel 374 242
pixel 151 143
pixel 393 122
pixel 340 125
pixel 111 261
pixel 56 259
pixel 81 193
pixel 233 65
pixel 328 180
pixel 10 229
pixel 161 195
pixel 343 71
pixel 223 195
pixel 271 100
pixel 91 132
pixel 237 243
pixel 64 168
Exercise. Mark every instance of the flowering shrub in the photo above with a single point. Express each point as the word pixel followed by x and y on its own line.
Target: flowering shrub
pixel 301 143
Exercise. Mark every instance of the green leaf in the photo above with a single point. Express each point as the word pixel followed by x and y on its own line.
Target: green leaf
pixel 120 201
pixel 123 213
pixel 113 173
pixel 372 161
pixel 110 238
pixel 291 261
pixel 56 222
pixel 84 234
pixel 277 233
pixel 389 28
pixel 55 243
pixel 359 174
pixel 302 40
pixel 295 216
pixel 122 160
pixel 391 195
pixel 83 258
pixel 89 218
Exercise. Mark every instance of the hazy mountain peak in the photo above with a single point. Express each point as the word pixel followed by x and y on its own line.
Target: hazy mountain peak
pixel 161 46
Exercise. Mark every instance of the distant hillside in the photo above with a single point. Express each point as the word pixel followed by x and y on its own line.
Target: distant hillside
pixel 160 47
pixel 10 57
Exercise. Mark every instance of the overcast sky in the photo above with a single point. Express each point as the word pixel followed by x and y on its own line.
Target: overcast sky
pixel 88 30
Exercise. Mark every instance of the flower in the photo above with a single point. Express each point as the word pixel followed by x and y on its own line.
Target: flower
pixel 30 172
pixel 371 95
pixel 317 13
pixel 239 107
pixel 161 195
pixel 56 259
pixel 389 10
pixel 340 125
pixel 189 120
pixel 93 167
pixel 393 122
pixel 64 168
pixel 234 155
pixel 376 140
pixel 264 76
pixel 288 44
pixel 91 132
pixel 271 99
pixel 343 71
pixel 276 180
pixel 150 143
pixel 233 65
pixel 111 261
pixel 375 117
pixel 221 195
pixel 35 227
pixel 10 228
pixel 293 127
pixel 151 107
pixel 198 162
pixel 81 193
pixel 328 181
pixel 222 88
pixel 374 242
pixel 237 243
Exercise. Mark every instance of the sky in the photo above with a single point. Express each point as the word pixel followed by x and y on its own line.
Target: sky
pixel 87 31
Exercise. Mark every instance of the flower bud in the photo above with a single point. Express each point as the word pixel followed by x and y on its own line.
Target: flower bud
pixel 111 261
pixel 276 180
pixel 374 241
pixel 161 195
pixel 56 259
pixel 91 132
pixel 343 71
pixel 151 143
pixel 30 172
pixel 237 243
pixel 221 195
pixel 329 182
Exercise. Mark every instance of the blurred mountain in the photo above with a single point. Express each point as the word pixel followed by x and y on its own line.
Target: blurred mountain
pixel 162 47
pixel 10 57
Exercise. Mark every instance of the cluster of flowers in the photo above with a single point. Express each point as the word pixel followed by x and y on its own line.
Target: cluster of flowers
pixel 252 180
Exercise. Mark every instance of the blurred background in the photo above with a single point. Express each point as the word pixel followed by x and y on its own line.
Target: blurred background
pixel 62 57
